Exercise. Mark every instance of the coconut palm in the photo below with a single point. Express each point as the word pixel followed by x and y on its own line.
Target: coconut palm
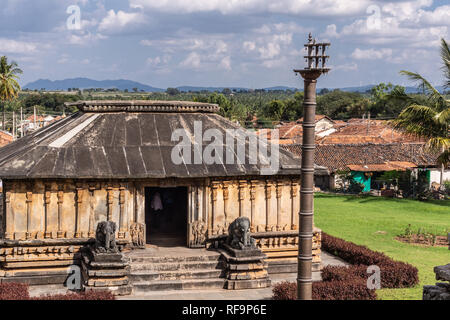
pixel 9 87
pixel 428 118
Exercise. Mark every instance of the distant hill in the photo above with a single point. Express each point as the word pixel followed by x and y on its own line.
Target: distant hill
pixel 85 83
pixel 363 89
pixel 121 84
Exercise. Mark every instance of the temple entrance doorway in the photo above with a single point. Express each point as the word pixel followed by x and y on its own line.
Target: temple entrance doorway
pixel 166 216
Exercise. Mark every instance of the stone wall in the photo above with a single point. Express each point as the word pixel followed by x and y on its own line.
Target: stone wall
pixel 45 220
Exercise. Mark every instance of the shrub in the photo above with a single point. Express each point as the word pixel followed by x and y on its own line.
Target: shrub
pixel 85 295
pixel 354 289
pixel 14 291
pixel 394 274
pixel 19 291
pixel 350 282
pixel 285 291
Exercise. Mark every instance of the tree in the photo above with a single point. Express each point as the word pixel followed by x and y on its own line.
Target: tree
pixel 9 87
pixel 172 91
pixel 429 118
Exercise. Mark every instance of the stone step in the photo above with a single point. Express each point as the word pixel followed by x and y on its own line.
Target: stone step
pixel 142 258
pixel 175 275
pixel 176 266
pixel 191 284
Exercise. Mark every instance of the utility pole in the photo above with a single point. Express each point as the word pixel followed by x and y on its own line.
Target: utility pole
pixel 34 117
pixel 21 123
pixel 14 126
pixel 316 59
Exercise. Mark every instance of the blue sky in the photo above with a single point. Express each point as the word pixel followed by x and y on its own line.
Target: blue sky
pixel 248 43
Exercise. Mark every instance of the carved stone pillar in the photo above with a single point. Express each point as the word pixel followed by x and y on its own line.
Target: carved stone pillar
pixel 214 189
pixel 122 219
pixel 253 185
pixel 47 197
pixel 91 232
pixel 79 201
pixel 109 201
pixel 268 203
pixel 294 197
pixel 279 190
pixel 60 233
pixel 29 207
pixel 9 234
pixel 226 195
pixel 242 187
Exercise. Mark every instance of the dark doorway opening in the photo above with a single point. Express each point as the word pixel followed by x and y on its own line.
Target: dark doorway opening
pixel 166 216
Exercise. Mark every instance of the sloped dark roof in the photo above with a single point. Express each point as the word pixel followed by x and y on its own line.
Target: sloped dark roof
pixel 126 139
pixel 339 156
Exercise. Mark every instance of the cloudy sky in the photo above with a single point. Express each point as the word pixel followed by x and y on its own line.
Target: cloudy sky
pixel 248 43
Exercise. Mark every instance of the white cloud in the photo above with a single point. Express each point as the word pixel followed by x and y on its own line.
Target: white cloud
pixel 116 22
pixel 192 61
pixel 85 38
pixel 249 46
pixel 297 7
pixel 225 63
pixel 371 54
pixel 269 51
pixel 14 46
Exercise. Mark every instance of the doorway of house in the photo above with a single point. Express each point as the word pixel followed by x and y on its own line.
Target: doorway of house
pixel 166 216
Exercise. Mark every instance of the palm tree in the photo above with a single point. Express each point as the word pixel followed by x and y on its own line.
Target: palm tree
pixel 428 118
pixel 9 87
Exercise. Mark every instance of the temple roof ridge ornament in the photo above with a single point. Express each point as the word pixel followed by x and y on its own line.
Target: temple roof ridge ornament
pixel 102 106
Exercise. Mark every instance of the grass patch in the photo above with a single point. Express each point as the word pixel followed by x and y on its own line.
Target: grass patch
pixel 376 221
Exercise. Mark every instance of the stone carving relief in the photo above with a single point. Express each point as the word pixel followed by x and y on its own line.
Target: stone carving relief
pixel 137 233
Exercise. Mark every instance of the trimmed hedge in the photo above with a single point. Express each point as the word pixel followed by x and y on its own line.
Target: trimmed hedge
pixel 394 274
pixel 85 295
pixel 350 282
pixel 14 291
pixel 19 291
pixel 354 289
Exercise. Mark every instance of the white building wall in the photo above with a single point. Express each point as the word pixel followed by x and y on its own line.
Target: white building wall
pixel 435 175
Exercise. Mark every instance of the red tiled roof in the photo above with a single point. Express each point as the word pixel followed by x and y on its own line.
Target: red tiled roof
pixel 340 156
pixel 5 138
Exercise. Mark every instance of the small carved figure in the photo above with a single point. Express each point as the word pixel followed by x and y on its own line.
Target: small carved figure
pixel 239 234
pixel 199 232
pixel 137 231
pixel 105 237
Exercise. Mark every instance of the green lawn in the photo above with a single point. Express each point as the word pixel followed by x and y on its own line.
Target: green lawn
pixel 375 222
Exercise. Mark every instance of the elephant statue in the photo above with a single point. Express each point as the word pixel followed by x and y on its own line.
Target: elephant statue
pixel 239 234
pixel 105 237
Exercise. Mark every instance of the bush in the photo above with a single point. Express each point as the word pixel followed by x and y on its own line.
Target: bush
pixel 19 291
pixel 85 295
pixel 285 291
pixel 394 274
pixel 350 282
pixel 354 289
pixel 14 291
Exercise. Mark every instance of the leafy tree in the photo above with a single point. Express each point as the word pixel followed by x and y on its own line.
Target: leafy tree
pixel 9 87
pixel 429 118
pixel 341 105
pixel 172 91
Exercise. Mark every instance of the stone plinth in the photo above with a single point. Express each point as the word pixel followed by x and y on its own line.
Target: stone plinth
pixel 106 271
pixel 441 291
pixel 245 269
